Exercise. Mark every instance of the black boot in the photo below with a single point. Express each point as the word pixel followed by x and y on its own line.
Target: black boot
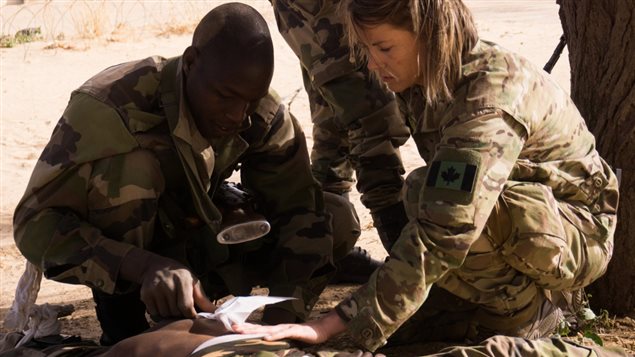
pixel 120 316
pixel 355 268
pixel 389 222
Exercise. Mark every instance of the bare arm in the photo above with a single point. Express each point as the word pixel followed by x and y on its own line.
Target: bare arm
pixel 312 332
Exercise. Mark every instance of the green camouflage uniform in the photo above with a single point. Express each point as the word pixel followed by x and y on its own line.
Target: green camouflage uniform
pixel 125 167
pixel 514 206
pixel 356 121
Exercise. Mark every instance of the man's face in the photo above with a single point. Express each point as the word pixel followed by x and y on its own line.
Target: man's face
pixel 222 94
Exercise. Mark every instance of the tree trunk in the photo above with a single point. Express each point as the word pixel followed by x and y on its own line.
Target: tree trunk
pixel 600 35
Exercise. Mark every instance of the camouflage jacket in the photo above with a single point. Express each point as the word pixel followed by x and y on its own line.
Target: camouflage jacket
pixel 140 106
pixel 508 121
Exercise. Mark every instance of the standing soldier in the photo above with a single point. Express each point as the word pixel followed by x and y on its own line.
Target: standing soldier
pixel 356 121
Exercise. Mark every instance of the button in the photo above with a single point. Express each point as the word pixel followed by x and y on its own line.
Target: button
pixel 99 283
pixel 307 307
pixel 597 182
pixel 367 333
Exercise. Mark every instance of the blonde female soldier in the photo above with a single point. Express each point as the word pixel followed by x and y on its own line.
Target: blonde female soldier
pixel 515 210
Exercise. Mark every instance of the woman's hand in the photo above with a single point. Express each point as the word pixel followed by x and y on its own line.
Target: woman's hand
pixel 312 332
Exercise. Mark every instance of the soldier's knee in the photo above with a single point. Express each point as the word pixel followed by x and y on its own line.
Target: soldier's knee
pixel 544 244
pixel 536 245
pixel 594 262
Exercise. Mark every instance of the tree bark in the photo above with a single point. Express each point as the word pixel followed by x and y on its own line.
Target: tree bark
pixel 600 35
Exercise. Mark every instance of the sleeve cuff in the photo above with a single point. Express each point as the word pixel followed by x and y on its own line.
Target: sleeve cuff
pixel 103 270
pixel 366 332
pixel 360 325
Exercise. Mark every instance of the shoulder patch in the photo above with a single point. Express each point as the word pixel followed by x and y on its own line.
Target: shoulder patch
pixel 452 176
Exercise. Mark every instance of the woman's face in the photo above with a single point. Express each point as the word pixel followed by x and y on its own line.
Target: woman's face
pixel 392 54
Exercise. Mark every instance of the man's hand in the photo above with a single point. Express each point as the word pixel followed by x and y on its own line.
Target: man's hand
pixel 312 332
pixel 168 288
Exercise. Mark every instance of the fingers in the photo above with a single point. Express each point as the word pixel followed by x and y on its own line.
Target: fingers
pixel 293 331
pixel 358 353
pixel 163 305
pixel 170 293
pixel 185 300
pixel 300 332
pixel 201 300
pixel 172 301
pixel 151 307
pixel 160 299
pixel 249 328
pixel 177 294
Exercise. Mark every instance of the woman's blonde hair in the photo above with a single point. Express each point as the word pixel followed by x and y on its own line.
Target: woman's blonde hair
pixel 444 29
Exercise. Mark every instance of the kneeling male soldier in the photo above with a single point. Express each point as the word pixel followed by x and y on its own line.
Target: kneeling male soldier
pixel 121 198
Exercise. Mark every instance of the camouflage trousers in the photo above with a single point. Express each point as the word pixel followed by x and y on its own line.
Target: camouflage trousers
pixel 504 346
pixel 356 121
pixel 515 273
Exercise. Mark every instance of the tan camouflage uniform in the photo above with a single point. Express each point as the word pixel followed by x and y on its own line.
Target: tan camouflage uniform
pixel 356 121
pixel 125 167
pixel 514 206
pixel 505 346
pixel 496 346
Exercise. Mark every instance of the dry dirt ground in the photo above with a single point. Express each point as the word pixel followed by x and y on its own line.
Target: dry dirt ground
pixel 37 77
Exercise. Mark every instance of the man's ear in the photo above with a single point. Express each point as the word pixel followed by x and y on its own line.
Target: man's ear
pixel 190 55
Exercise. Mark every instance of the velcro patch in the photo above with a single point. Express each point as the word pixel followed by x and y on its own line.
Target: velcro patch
pixel 452 176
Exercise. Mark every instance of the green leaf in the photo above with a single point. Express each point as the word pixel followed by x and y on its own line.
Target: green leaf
pixel 593 336
pixel 564 329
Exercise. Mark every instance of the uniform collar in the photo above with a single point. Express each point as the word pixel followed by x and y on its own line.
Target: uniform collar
pixel 194 150
pixel 185 128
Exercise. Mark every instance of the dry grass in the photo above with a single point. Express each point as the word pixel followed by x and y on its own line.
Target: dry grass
pixel 173 29
pixel 62 45
pixel 90 20
pixel 65 24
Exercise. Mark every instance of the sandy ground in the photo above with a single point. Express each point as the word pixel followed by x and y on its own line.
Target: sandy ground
pixel 35 83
